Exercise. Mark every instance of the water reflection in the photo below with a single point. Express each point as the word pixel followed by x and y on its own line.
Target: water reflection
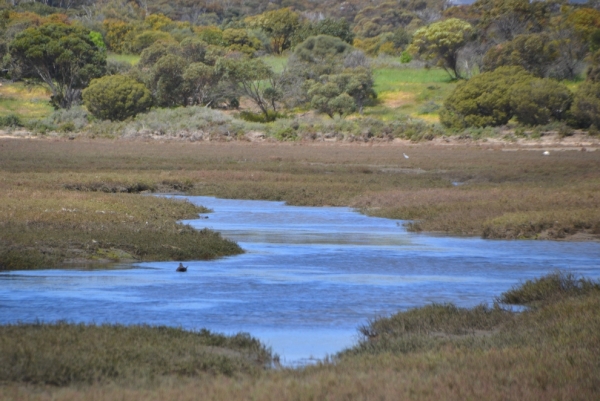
pixel 309 278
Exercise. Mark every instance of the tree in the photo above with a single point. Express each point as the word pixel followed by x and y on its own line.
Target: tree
pixel 254 78
pixel 199 83
pixel 342 93
pixel 339 28
pixel 280 25
pixel 63 56
pixel 166 81
pixel 318 55
pixel 534 52
pixel 440 43
pixel 484 99
pixel 116 97
pixel 330 99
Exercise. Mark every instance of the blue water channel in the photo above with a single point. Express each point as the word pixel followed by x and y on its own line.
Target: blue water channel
pixel 309 277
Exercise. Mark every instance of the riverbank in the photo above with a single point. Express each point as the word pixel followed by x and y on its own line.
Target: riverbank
pixel 80 199
pixel 437 352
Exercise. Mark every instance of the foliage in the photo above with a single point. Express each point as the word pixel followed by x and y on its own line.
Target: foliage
pixel 280 25
pixel 166 81
pixel 534 52
pixel 255 80
pixel 549 288
pixel 339 28
pixel 240 40
pixel 116 97
pixel 200 84
pixel 484 99
pixel 318 55
pixel 586 106
pixel 440 43
pixel 540 101
pixel 10 120
pixel 63 56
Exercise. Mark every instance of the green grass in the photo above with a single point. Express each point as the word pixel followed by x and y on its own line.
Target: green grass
pixel 414 92
pixel 27 101
pixel 132 59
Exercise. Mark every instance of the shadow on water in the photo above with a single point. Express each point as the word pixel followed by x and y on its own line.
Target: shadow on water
pixel 308 279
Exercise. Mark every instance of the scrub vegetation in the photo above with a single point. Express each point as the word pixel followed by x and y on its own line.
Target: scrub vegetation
pixel 437 352
pixel 81 200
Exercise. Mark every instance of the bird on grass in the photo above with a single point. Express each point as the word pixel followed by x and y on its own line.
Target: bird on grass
pixel 405 155
pixel 181 268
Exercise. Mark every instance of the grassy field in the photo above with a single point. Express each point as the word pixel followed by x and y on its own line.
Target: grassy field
pixel 418 93
pixel 438 352
pixel 25 101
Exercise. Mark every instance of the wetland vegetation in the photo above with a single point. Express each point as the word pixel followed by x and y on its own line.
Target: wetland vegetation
pixel 75 186
pixel 442 352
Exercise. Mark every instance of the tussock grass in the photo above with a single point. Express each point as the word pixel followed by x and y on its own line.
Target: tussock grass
pixel 64 354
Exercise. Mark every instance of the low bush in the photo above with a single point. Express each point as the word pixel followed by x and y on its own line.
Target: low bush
pixel 10 120
pixel 552 287
pixel 586 106
pixel 539 101
pixel 116 97
pixel 484 100
pixel 62 354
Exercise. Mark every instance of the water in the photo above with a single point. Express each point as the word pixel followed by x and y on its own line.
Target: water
pixel 309 278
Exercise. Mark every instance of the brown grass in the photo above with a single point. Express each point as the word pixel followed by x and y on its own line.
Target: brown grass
pixel 498 194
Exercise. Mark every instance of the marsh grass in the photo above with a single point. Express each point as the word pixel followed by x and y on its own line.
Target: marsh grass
pixel 457 189
pixel 438 352
pixel 44 228
pixel 65 354
pixel 552 287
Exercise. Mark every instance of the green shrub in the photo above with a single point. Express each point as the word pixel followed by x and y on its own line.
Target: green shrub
pixel 539 101
pixel 586 106
pixel 116 97
pixel 405 57
pixel 10 120
pixel 484 100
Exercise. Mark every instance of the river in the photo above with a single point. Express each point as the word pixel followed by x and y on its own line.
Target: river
pixel 309 277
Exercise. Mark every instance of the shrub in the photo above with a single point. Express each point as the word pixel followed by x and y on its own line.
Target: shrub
pixel 586 106
pixel 539 101
pixel 553 286
pixel 10 120
pixel 116 97
pixel 484 100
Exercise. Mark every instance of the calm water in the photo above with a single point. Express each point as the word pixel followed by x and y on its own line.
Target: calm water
pixel 309 278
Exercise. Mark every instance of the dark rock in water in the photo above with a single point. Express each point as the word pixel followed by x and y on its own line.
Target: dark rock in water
pixel 181 268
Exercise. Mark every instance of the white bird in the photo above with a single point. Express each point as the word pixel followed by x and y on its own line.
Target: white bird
pixel 405 155
pixel 546 153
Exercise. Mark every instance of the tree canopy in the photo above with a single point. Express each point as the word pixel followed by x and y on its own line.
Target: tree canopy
pixel 440 43
pixel 63 56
